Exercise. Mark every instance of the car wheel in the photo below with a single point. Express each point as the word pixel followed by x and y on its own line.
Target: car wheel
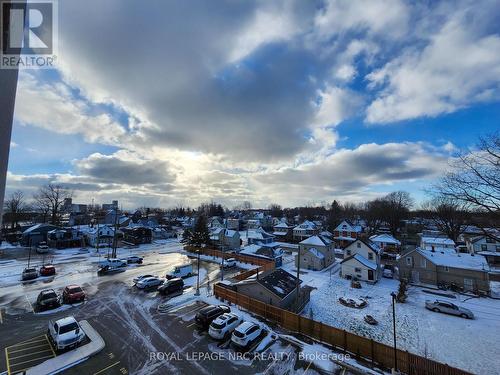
pixel 465 316
pixel 435 309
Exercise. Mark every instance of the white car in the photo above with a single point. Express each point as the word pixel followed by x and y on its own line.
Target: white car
pixel 139 278
pixel 223 325
pixel 149 282
pixel 228 263
pixel 245 334
pixel 388 273
pixel 133 259
pixel 42 248
pixel 112 263
pixel 65 333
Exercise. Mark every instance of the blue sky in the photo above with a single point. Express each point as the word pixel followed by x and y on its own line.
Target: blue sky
pixel 288 102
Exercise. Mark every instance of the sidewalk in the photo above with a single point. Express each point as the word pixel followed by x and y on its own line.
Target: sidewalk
pixel 73 357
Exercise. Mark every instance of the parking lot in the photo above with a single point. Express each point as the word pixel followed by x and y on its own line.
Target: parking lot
pixel 144 332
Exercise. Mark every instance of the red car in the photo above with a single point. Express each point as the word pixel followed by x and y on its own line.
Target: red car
pixel 72 294
pixel 47 270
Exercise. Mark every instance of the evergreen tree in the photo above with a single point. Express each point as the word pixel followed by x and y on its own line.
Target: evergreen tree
pixel 200 235
pixel 186 237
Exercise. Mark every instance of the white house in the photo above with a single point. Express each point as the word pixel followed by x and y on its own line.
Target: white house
pixel 486 246
pixel 102 236
pixel 437 243
pixel 305 230
pixel 316 253
pixel 345 233
pixel 362 261
pixel 385 241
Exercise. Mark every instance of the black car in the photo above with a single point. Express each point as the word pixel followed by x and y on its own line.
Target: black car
pixel 47 299
pixel 172 286
pixel 207 314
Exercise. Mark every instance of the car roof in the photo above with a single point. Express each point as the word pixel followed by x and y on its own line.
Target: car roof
pixel 67 320
pixel 46 291
pixel 73 286
pixel 149 278
pixel 245 326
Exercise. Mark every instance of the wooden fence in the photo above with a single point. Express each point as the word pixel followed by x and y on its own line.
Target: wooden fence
pixel 261 263
pixel 375 352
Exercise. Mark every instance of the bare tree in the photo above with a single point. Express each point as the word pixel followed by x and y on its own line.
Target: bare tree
pixel 396 208
pixel 374 214
pixel 448 215
pixel 15 206
pixel 275 210
pixel 49 201
pixel 474 180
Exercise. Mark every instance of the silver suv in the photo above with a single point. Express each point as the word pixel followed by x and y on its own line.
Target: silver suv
pixel 449 308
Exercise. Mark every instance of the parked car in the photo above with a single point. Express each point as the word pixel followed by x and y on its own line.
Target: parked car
pixel 139 278
pixel 228 263
pixel 172 286
pixel 245 334
pixel 134 259
pixel 224 325
pixel 47 299
pixel 387 273
pixel 107 270
pixel 182 271
pixel 148 283
pixel 112 263
pixel 65 333
pixel 47 270
pixel 42 248
pixel 29 274
pixel 73 294
pixel 208 314
pixel 449 308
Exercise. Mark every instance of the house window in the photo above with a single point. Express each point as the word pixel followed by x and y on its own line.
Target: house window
pixel 359 245
pixel 423 263
pixel 348 252
pixel 484 247
pixel 498 247
pixel 408 261
pixel 490 240
pixel 357 270
pixel 370 256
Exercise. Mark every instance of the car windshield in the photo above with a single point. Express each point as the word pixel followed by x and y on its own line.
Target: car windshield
pixel 218 325
pixel 75 290
pixel 239 334
pixel 68 328
pixel 49 295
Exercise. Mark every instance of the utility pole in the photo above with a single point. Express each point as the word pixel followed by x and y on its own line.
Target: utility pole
pixel 395 369
pixel 114 234
pixel 197 293
pixel 298 280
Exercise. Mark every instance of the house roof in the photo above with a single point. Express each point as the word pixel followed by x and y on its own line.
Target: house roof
pixel 361 259
pixel 279 282
pixel 372 245
pixel 348 227
pixel 462 260
pixel 316 241
pixel 316 253
pixel 438 240
pixel 385 238
pixel 282 225
pixel 306 225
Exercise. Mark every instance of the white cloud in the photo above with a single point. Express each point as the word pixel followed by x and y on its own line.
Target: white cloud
pixel 459 66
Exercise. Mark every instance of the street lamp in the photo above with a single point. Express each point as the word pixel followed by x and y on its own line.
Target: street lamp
pixel 197 293
pixel 393 295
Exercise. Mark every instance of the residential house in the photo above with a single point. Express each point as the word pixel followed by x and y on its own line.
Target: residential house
pixel 467 271
pixel 225 239
pixel 316 253
pixel 64 238
pixel 137 235
pixel 283 232
pixel 253 224
pixel 259 236
pixel 36 234
pixel 305 230
pixel 485 246
pixel 436 241
pixel 362 261
pixel 267 251
pixel 215 222
pixel 276 287
pixel 101 236
pixel 233 224
pixel 345 233
pixel 386 242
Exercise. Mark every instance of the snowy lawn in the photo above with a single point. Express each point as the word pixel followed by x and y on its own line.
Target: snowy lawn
pixel 472 345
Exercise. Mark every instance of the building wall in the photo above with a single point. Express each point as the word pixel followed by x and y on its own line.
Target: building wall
pixel 353 268
pixel 309 261
pixel 359 247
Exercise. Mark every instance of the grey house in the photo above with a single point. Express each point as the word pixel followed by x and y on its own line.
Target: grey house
pixel 467 271
pixel 277 288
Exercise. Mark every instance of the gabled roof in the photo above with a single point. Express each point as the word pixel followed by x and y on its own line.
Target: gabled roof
pixel 316 241
pixel 347 227
pixel 385 238
pixel 279 282
pixel 438 240
pixel 372 245
pixel 282 225
pixel 361 259
pixel 306 225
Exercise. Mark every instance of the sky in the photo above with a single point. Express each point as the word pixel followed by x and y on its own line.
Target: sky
pixel 167 103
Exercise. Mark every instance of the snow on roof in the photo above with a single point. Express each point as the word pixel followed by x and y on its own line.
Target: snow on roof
pixel 347 227
pixel 279 282
pixel 438 241
pixel 462 260
pixel 361 259
pixel 316 253
pixel 385 238
pixel 282 225
pixel 306 225
pixel 315 241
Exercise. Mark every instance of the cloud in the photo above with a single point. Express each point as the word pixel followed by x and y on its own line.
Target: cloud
pixel 459 66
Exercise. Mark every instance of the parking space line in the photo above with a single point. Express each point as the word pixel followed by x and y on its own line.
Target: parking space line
pixel 106 368
pixel 7 360
pixel 50 345
pixel 29 303
pixel 1 317
pixel 33 339
pixel 28 348
pixel 26 355
pixel 34 359
pixel 307 368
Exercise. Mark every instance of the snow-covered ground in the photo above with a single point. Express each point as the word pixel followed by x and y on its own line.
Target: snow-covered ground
pixel 472 345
